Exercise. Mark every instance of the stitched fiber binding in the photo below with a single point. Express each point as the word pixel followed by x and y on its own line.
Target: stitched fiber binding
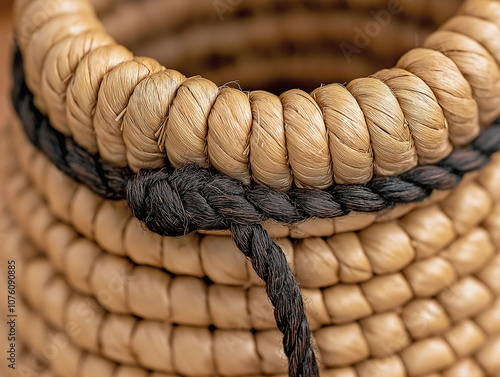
pixel 175 202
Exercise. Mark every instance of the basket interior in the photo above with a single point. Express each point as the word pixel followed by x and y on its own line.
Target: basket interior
pixel 274 45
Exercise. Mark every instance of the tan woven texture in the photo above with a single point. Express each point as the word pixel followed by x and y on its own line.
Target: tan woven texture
pixel 416 295
pixel 132 110
pixel 414 291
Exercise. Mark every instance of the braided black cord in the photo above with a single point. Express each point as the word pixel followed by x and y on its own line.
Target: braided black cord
pixel 270 264
pixel 176 202
pixel 100 176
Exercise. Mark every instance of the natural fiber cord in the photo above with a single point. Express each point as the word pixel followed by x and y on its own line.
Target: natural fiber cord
pixel 257 203
pixel 436 97
pixel 194 198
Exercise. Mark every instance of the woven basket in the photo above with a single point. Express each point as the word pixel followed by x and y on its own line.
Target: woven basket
pixel 140 203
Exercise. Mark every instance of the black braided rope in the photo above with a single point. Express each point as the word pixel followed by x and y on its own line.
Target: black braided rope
pixel 174 202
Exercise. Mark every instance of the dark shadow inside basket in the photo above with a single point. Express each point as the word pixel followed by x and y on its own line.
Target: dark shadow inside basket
pixel 275 45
